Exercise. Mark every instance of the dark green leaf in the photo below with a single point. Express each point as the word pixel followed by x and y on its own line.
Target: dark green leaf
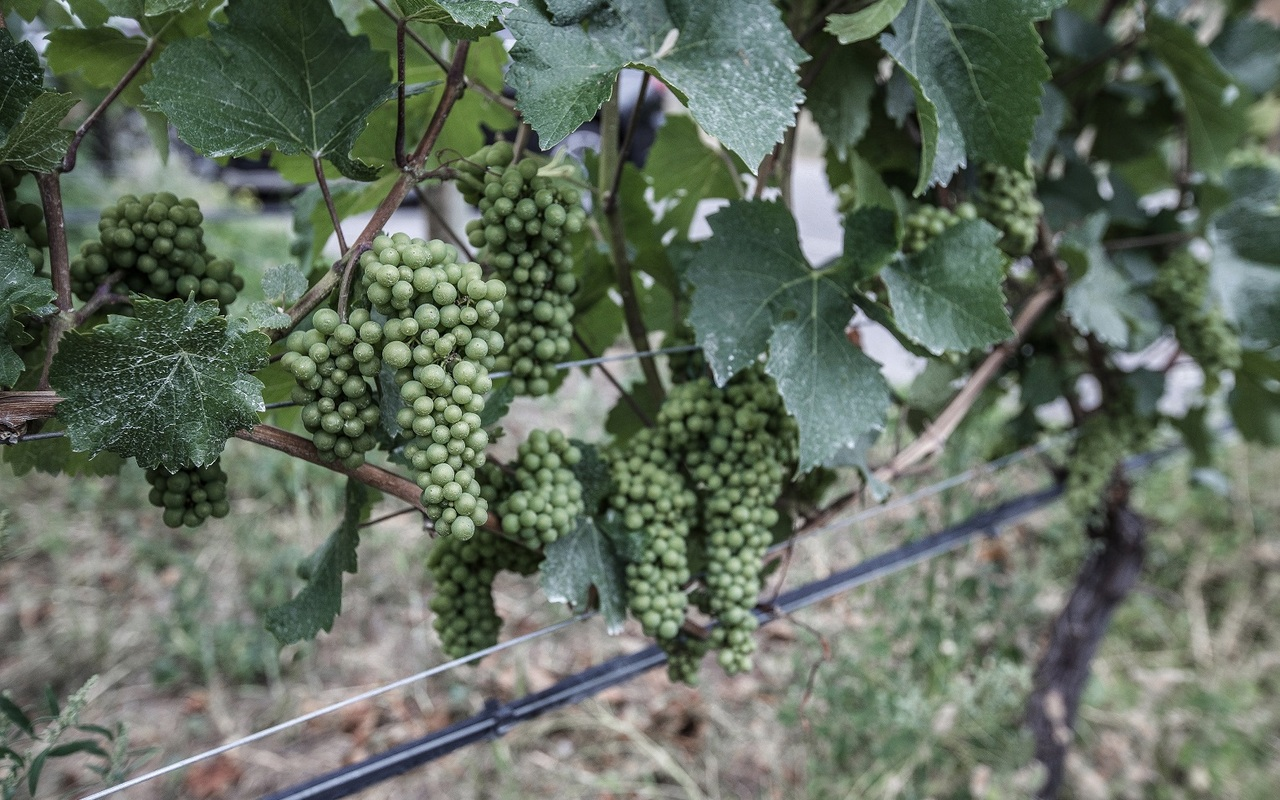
pixel 37 143
pixel 101 56
pixel 756 294
pixel 1104 301
pixel 586 558
pixel 15 715
pixel 1216 109
pixel 284 283
pixel 1245 272
pixel 78 746
pixel 733 60
pixel 1255 400
pixel 280 73
pixel 105 733
pixel 21 291
pixel 1247 49
pixel 593 473
pixel 497 404
pixel 682 169
pixel 54 457
pixel 870 240
pixel 976 69
pixel 947 297
pixel 840 97
pixel 865 23
pixel 1053 114
pixel 21 79
pixel 320 601
pixel 571 12
pixel 51 701
pixel 34 771
pixel 168 386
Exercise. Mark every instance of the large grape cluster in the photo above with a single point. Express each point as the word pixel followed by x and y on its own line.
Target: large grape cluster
pixel 1007 199
pixel 26 220
pixel 928 222
pixel 334 365
pixel 189 496
pixel 526 218
pixel 1181 292
pixel 1103 441
pixel 440 340
pixel 156 242
pixel 463 570
pixel 547 499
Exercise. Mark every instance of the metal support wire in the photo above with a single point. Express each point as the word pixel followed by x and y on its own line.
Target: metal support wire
pixel 497 719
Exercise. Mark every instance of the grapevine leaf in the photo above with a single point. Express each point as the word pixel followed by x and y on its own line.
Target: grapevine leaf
pixel 840 97
pixel 459 18
pixel 21 79
pixel 153 8
pixel 1246 48
pixel 756 293
pixel 585 558
pixel 100 55
pixel 21 291
pixel 55 457
pixel 947 297
pixel 733 60
pixel 36 143
pixel 1216 109
pixel 267 317
pixel 570 12
pixel 284 283
pixel 280 73
pixel 870 240
pixel 683 170
pixel 315 607
pixel 1103 301
pixel 1255 399
pixel 864 24
pixel 497 404
pixel 1245 273
pixel 593 473
pixel 976 70
pixel 167 386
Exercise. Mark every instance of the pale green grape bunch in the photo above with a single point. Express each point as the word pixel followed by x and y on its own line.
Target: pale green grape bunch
pixel 440 339
pixel 463 571
pixel 189 496
pixel 653 498
pixel 1102 442
pixel 334 371
pixel 1007 199
pixel 928 222
pixel 528 210
pixel 548 499
pixel 156 243
pixel 1181 292
pixel 26 220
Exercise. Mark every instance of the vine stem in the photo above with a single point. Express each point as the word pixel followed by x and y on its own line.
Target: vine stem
pixel 411 175
pixel 622 270
pixel 328 203
pixel 59 267
pixel 612 197
pixel 69 160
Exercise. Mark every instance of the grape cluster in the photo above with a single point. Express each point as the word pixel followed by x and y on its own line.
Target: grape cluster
pixel 156 242
pixel 526 218
pixel 686 365
pixel 333 365
pixel 928 222
pixel 547 500
pixel 463 570
pixel 1102 442
pixel 26 220
pixel 1181 292
pixel 1007 199
pixel 440 340
pixel 189 496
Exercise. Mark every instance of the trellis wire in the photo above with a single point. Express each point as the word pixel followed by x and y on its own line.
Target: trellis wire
pixel 589 362
pixel 861 516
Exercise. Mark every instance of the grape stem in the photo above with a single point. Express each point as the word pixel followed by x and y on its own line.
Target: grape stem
pixel 101 296
pixel 328 203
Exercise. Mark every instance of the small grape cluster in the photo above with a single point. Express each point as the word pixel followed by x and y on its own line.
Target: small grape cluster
pixel 1181 292
pixel 526 218
pixel 463 571
pixel 928 222
pixel 440 338
pixel 686 365
pixel 189 496
pixel 156 242
pixel 546 500
pixel 333 365
pixel 1007 199
pixel 1103 441
pixel 26 220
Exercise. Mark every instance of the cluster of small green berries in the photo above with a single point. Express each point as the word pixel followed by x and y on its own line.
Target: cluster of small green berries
pixel 547 499
pixel 463 571
pixel 156 242
pixel 26 220
pixel 334 365
pixel 526 218
pixel 927 223
pixel 1181 292
pixel 1007 199
pixel 1102 442
pixel 739 447
pixel 440 339
pixel 189 496
pixel 687 365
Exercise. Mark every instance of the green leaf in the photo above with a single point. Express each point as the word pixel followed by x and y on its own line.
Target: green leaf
pixel 756 293
pixel 266 317
pixel 21 79
pixel 101 56
pixel 320 601
pixel 284 283
pixel 154 8
pixel 497 404
pixel 682 169
pixel 870 240
pixel 1255 399
pixel 467 13
pixel 976 69
pixel 78 746
pixel 167 386
pixel 593 473
pixel 34 771
pixel 840 97
pixel 947 297
pixel 280 73
pixel 1216 108
pixel 865 23
pixel 21 291
pixel 16 715
pixel 1103 301
pixel 733 60
pixel 586 558
pixel 55 457
pixel 1245 270
pixel 1247 48
pixel 37 143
